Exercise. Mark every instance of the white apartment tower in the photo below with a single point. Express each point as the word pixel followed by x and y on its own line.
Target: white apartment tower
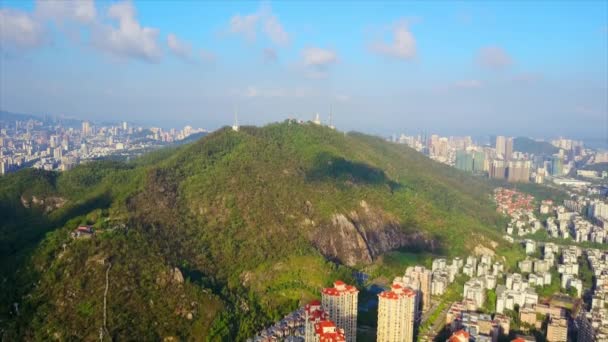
pixel 396 314
pixel 340 302
pixel 313 314
pixel 86 128
pixel 418 278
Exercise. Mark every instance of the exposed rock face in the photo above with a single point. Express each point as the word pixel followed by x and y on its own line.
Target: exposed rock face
pixel 363 234
pixel 178 278
pixel 47 204
pixel 173 276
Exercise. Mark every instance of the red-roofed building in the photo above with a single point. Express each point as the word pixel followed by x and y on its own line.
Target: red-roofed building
pixel 340 302
pixel 313 313
pixel 83 232
pixel 396 314
pixel 459 336
pixel 524 339
pixel 327 331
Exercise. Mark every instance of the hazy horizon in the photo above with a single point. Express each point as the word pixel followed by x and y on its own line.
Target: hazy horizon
pixel 517 69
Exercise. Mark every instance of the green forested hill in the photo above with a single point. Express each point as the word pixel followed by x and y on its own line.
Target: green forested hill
pixel 215 239
pixel 527 145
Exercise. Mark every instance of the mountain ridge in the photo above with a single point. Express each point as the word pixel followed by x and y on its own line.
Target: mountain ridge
pixel 258 219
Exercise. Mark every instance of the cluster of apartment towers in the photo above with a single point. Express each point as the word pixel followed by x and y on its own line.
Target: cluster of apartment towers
pixel 334 318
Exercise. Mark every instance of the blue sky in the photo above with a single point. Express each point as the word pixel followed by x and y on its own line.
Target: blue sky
pixel 499 67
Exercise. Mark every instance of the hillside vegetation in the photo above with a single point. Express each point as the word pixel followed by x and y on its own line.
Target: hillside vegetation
pixel 215 239
pixel 527 145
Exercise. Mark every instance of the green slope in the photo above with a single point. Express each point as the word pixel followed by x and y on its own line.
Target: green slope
pixel 250 218
pixel 527 145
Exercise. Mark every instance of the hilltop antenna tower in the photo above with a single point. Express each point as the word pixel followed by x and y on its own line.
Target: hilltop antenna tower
pixel 235 126
pixel 330 118
pixel 317 119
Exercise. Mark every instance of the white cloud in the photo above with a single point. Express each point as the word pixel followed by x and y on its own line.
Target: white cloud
pixel 316 61
pixel 82 11
pixel 318 57
pixel 494 57
pixel 275 31
pixel 180 48
pixel 20 30
pixel 270 55
pixel 468 84
pixel 207 56
pixel 402 46
pixel 245 25
pixel 129 39
pixel 262 20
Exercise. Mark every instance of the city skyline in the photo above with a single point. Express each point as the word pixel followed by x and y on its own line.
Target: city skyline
pixel 304 171
pixel 381 74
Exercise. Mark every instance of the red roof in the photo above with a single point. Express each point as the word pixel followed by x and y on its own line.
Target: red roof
pixel 328 332
pixel 85 229
pixel 460 336
pixel 339 288
pixel 396 292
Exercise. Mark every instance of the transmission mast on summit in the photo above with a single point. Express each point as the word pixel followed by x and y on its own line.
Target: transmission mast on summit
pixel 330 118
pixel 317 120
pixel 235 126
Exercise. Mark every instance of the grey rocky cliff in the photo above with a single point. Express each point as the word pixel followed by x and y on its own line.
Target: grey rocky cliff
pixel 363 234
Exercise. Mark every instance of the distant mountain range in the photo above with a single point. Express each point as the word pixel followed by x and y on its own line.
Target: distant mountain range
pixel 217 238
pixel 10 117
pixel 527 145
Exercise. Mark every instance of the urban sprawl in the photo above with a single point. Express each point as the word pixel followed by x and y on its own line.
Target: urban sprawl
pixel 557 292
pixel 50 145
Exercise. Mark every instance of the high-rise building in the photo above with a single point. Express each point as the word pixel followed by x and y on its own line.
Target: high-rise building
pixel 497 169
pixel 340 302
pixel 518 171
pixel 418 278
pixel 557 330
pixel 396 314
pixel 586 330
pixel 57 153
pixel 508 149
pixel 540 175
pixel 504 147
pixel 501 144
pixel 557 166
pixel 86 128
pixel 464 161
pixel 313 314
pixel 479 159
pixel 84 150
